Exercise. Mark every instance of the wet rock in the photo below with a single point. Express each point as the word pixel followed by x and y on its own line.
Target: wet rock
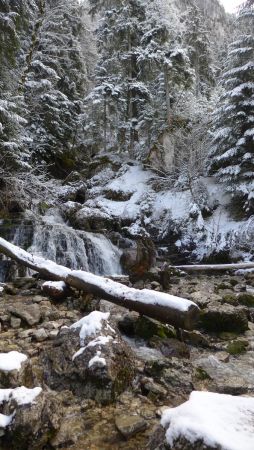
pixel 225 317
pixel 130 425
pixel 100 367
pixel 174 374
pixel 170 347
pixel 29 313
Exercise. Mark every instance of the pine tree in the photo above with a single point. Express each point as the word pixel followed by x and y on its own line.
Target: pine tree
pixel 136 78
pixel 12 142
pixel 53 81
pixel 233 136
pixel 196 38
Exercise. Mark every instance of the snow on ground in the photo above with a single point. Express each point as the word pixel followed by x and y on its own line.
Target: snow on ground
pixel 11 361
pixel 218 420
pixel 131 180
pixel 169 206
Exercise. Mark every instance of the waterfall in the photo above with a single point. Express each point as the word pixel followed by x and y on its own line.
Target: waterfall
pixel 55 240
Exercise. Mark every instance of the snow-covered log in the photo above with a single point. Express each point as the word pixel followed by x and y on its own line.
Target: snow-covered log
pixel 167 308
pixel 215 267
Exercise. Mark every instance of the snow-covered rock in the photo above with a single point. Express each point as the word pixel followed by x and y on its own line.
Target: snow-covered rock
pixel 211 421
pixel 90 358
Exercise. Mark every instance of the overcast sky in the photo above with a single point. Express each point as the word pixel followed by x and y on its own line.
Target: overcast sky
pixel 231 5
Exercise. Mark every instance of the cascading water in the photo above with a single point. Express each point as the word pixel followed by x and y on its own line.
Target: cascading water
pixel 76 249
pixel 53 239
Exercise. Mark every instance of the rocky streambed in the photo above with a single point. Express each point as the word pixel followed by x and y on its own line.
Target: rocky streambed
pixel 106 379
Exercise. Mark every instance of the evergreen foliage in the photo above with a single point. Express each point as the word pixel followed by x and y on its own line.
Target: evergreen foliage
pixel 233 136
pixel 139 71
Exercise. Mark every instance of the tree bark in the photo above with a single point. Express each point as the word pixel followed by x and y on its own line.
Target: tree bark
pixel 166 308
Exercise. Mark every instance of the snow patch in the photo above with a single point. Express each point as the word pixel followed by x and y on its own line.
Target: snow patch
pixel 22 395
pixel 97 360
pixel 219 420
pixel 11 361
pixel 90 324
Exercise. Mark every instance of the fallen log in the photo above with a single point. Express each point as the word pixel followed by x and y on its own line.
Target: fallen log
pixel 215 267
pixel 180 312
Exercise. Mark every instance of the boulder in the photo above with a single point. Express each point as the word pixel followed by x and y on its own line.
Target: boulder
pixel 29 313
pixel 217 317
pixel 33 423
pixel 57 290
pixel 130 425
pixel 136 261
pixel 90 358
pixel 235 377
pixel 15 370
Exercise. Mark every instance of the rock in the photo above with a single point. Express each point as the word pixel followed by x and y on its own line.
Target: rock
pixel 246 299
pixel 25 283
pixel 29 313
pixel 93 219
pixel 15 322
pixel 152 389
pixel 15 378
pixel 235 377
pixel 137 260
pixel 101 372
pixel 144 327
pixel 166 274
pixel 130 425
pixel 40 335
pixel 237 347
pixel 38 299
pixel 195 338
pixel 170 347
pixel 225 317
pixel 34 424
pixel 57 290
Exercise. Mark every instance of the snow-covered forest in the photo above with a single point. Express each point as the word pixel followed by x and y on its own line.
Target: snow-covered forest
pixel 126 151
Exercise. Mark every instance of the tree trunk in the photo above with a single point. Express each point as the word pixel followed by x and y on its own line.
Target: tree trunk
pixel 176 311
pixel 215 267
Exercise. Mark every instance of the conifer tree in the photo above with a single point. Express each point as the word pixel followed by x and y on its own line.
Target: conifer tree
pixel 53 82
pixel 196 38
pixel 232 155
pixel 137 73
